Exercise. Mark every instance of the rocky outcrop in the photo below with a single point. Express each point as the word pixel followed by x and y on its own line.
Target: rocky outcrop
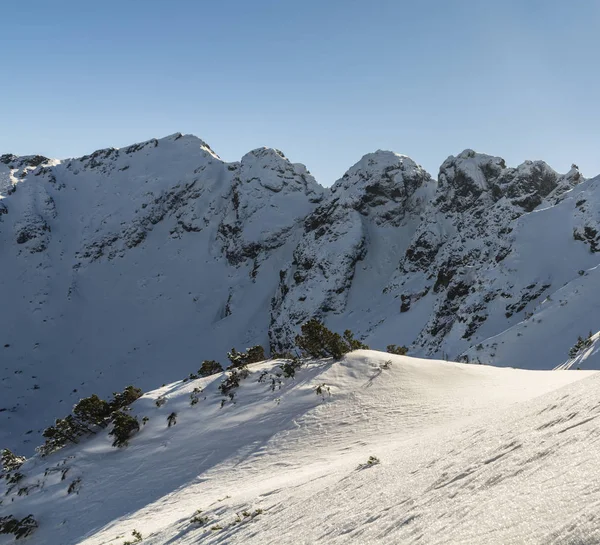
pixel 467 232
pixel 382 190
pixel 269 197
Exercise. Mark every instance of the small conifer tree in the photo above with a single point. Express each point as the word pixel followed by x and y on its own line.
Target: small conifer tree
pixel 398 350
pixel 236 358
pixel 124 426
pixel 232 381
pixel 254 354
pixel 317 341
pixel 353 343
pixel 92 411
pixel 210 367
pixel 125 398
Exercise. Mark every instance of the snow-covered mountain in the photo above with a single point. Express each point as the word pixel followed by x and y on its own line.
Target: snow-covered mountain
pixel 133 265
pixel 374 448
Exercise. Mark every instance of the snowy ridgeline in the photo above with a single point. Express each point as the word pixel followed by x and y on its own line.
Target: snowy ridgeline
pixel 375 448
pixel 132 265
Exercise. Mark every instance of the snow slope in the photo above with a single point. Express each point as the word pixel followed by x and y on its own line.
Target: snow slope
pixel 468 454
pixel 132 265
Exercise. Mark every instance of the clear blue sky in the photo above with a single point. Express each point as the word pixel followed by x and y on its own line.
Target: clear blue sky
pixel 326 81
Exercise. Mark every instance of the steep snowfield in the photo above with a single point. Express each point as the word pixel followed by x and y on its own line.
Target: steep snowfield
pixel 468 454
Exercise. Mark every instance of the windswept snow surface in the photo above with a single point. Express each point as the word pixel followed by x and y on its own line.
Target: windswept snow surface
pixel 468 454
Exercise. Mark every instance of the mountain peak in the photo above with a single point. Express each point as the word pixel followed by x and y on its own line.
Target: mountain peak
pixel 380 177
pixel 266 152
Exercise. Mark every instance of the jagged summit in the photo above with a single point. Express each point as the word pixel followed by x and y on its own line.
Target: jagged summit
pixel 379 176
pixel 471 178
pixel 266 152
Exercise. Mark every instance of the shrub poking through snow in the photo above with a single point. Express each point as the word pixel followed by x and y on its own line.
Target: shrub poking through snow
pixel 194 399
pixel 10 462
pixel 199 518
pixel 317 341
pixel 137 538
pixel 88 413
pixel 253 354
pixel 398 350
pixel 160 401
pixel 75 486
pixel 252 514
pixel 172 419
pixel 233 381
pixel 372 461
pixel 321 389
pixel 124 426
pixel 210 367
pixel 386 364
pixel 236 358
pixel 580 345
pixel 289 368
pixel 14 478
pixel 19 528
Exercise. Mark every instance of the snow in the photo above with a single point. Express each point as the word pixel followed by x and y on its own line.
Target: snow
pixel 131 266
pixel 126 275
pixel 468 454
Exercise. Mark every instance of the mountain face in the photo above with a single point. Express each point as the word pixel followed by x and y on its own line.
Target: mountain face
pixel 133 265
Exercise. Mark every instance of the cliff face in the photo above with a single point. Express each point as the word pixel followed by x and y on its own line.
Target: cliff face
pixel 133 265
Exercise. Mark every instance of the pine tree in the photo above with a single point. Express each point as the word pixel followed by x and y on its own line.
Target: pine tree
pixel 254 354
pixel 125 398
pixel 237 359
pixel 92 411
pixel 210 367
pixel 124 426
pixel 398 350
pixel 317 341
pixel 289 368
pixel 232 381
pixel 353 343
